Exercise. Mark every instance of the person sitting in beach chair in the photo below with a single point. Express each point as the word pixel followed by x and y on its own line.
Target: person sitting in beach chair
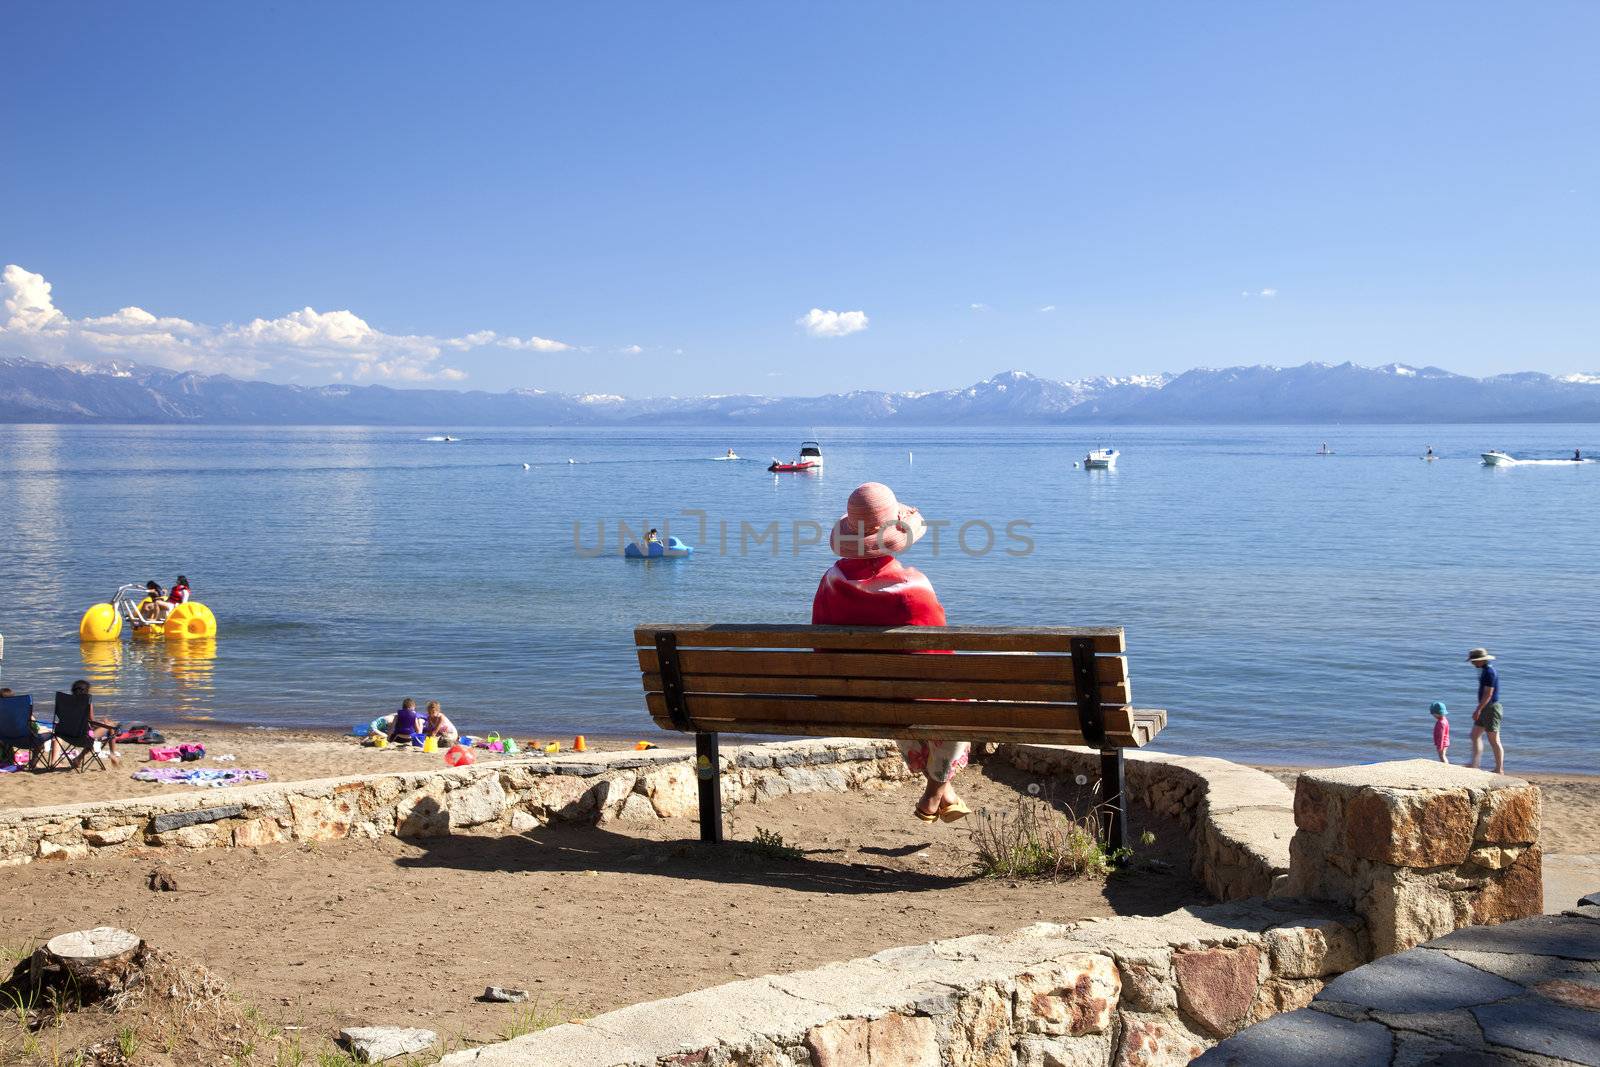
pixel 20 732
pixel 78 734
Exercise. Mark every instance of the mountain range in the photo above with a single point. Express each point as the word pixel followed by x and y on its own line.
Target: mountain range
pixel 31 391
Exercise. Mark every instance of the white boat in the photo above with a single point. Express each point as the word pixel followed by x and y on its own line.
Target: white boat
pixel 1101 459
pixel 1498 459
pixel 730 455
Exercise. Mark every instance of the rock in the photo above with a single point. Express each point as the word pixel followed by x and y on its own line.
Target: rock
pixel 321 818
pixel 1515 892
pixel 673 791
pixel 1313 950
pixel 892 1041
pixel 1494 857
pixel 1157 1041
pixel 1410 828
pixel 1419 980
pixel 69 850
pixel 501 995
pixel 1542 1026
pixel 1074 995
pixel 1510 816
pixel 983 1034
pixel 111 835
pixel 637 808
pixel 176 820
pixel 523 821
pixel 161 880
pixel 1217 986
pixel 253 833
pixel 1147 980
pixel 203 836
pixel 1039 1050
pixel 1403 910
pixel 1278 995
pixel 373 1044
pixel 473 805
pixel 1304 1039
pixel 423 814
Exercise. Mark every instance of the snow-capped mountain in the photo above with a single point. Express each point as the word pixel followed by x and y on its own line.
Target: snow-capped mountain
pixel 1312 393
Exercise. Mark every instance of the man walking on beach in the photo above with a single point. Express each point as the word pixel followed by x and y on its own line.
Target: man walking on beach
pixel 1486 720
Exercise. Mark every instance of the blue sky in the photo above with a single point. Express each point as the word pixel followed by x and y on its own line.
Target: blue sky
pixel 1179 184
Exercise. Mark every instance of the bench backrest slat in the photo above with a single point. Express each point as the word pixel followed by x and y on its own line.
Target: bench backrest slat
pixel 1108 640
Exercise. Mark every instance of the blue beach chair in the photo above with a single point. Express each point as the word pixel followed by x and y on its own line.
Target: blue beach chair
pixel 18 733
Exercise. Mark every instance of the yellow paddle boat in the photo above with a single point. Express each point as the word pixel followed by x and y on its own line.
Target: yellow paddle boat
pixel 132 605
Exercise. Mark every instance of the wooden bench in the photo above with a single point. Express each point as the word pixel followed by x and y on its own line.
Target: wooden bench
pixel 1049 685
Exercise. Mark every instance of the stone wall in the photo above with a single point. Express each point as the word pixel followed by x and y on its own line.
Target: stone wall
pixel 1417 847
pixel 1239 819
pixel 1131 992
pixel 489 797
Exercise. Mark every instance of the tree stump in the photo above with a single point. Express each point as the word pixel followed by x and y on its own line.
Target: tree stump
pixel 89 964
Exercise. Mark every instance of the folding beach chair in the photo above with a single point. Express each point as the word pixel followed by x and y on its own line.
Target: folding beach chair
pixel 17 733
pixel 72 730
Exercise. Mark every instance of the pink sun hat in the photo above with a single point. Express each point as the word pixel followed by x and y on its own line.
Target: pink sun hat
pixel 876 524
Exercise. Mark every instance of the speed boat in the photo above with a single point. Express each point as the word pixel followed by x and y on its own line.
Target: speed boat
pixel 810 459
pixel 1101 459
pixel 1498 459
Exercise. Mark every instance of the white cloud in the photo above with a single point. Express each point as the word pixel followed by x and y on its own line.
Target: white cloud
pixel 533 344
pixel 630 350
pixel 979 307
pixel 339 345
pixel 819 323
pixel 1266 294
pixel 1047 309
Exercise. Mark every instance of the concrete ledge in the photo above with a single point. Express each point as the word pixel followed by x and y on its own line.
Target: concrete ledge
pixel 1240 820
pixel 1107 991
pixel 506 795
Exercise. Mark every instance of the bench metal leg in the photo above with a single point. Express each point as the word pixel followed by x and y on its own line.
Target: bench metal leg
pixel 1113 801
pixel 708 769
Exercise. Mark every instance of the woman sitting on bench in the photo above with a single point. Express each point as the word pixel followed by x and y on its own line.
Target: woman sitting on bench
pixel 869 587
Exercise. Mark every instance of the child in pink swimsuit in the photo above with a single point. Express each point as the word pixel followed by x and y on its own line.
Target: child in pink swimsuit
pixel 1441 730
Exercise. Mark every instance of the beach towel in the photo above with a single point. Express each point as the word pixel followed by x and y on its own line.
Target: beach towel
pixel 200 777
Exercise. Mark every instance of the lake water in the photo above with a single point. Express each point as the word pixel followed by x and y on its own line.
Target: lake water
pixel 1283 606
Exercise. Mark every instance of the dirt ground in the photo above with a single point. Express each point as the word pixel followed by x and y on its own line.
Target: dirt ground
pixel 589 919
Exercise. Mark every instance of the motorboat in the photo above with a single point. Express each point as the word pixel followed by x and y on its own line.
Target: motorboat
pixel 1101 459
pixel 671 548
pixel 810 459
pixel 1498 459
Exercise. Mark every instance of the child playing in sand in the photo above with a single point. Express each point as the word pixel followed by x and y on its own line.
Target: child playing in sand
pixel 439 726
pixel 1441 730
pixel 407 724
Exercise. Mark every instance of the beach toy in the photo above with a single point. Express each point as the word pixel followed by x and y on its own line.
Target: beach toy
pixel 642 746
pixel 430 744
pixel 553 747
pixel 467 740
pixel 163 753
pixel 100 623
pixel 579 744
pixel 510 747
pixel 458 757
pixel 380 741
pixel 361 729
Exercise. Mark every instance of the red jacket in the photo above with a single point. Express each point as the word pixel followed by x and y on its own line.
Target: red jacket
pixel 875 592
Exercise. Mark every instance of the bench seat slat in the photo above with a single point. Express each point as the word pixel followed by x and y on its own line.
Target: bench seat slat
pixel 887 688
pixel 1108 640
pixel 867 712
pixel 1111 670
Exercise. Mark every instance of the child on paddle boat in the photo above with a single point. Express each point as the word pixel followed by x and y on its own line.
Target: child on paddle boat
pixel 869 587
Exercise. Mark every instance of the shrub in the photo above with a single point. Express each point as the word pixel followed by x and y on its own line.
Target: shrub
pixel 770 845
pixel 1037 841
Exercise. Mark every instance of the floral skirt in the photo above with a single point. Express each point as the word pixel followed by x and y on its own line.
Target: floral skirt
pixel 938 760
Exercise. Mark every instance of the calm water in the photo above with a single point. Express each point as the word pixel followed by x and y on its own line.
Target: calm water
pixel 1283 605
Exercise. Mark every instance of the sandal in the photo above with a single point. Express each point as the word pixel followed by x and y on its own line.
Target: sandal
pixel 953 812
pixel 926 816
